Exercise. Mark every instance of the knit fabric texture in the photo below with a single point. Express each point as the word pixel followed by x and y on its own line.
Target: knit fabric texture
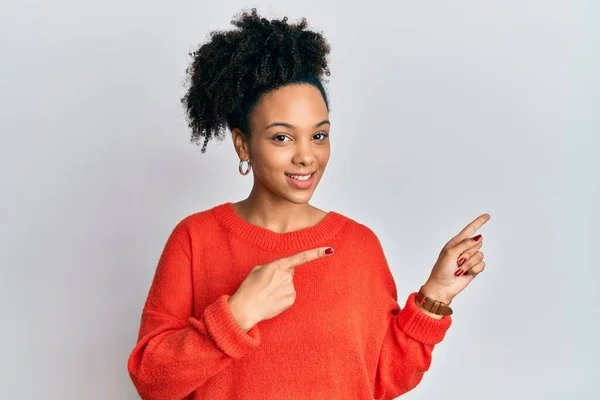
pixel 345 337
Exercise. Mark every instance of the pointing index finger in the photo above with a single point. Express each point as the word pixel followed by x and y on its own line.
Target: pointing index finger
pixel 302 257
pixel 470 229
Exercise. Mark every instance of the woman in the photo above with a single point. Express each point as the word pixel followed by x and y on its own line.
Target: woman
pixel 227 317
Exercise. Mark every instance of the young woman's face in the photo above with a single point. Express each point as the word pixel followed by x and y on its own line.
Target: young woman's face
pixel 290 135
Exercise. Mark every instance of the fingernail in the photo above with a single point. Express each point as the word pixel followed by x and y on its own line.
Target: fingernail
pixel 458 272
pixel 329 250
pixel 476 238
pixel 461 261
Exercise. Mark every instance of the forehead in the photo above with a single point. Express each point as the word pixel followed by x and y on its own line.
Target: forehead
pixel 297 104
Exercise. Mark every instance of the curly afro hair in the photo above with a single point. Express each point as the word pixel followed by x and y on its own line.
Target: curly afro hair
pixel 230 73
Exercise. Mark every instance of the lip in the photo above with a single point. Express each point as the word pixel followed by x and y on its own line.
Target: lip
pixel 307 184
pixel 303 174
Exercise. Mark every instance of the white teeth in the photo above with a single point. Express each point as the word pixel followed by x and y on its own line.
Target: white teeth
pixel 300 178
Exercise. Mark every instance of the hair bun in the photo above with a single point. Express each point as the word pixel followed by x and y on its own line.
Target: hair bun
pixel 229 73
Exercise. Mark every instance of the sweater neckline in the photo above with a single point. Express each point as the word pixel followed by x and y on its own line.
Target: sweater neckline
pixel 302 239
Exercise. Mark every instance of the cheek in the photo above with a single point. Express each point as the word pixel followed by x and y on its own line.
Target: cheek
pixel 271 166
pixel 323 156
pixel 276 162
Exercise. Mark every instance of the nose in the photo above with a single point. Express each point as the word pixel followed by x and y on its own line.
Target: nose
pixel 304 153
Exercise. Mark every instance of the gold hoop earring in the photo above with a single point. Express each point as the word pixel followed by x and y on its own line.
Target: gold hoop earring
pixel 248 170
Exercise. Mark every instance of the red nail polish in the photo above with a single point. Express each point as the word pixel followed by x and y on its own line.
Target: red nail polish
pixel 462 261
pixel 329 250
pixel 476 238
pixel 458 272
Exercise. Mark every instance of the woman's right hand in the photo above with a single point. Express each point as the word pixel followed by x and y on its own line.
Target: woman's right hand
pixel 268 290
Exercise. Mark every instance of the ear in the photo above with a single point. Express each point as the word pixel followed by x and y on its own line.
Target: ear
pixel 241 145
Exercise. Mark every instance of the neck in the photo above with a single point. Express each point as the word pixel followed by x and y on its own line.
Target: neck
pixel 276 214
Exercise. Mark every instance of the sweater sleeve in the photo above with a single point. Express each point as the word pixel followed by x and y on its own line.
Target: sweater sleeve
pixel 408 343
pixel 176 353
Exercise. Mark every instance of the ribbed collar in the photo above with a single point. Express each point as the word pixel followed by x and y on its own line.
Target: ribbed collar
pixel 255 235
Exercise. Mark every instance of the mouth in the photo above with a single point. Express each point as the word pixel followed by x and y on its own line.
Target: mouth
pixel 301 177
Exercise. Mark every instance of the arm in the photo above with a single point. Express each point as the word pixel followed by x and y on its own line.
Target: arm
pixel 175 352
pixel 406 349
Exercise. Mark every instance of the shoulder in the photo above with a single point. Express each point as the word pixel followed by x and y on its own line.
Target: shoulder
pixel 198 224
pixel 199 218
pixel 360 233
pixel 362 242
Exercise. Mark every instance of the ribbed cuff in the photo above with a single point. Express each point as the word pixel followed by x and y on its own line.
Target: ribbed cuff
pixel 420 326
pixel 225 331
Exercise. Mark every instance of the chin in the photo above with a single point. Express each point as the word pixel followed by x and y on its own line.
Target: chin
pixel 299 198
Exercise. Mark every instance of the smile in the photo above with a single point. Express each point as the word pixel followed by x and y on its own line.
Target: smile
pixel 301 181
pixel 300 177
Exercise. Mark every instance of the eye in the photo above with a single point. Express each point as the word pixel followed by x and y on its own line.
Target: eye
pixel 324 134
pixel 279 136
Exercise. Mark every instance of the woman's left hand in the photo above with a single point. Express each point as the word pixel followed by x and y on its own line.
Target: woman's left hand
pixel 459 262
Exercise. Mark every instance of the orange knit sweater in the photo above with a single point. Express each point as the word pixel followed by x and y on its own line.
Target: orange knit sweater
pixel 345 337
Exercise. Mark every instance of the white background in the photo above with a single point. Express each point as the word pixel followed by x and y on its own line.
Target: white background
pixel 441 111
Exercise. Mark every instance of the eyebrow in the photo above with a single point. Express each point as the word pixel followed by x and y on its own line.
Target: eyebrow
pixel 290 126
